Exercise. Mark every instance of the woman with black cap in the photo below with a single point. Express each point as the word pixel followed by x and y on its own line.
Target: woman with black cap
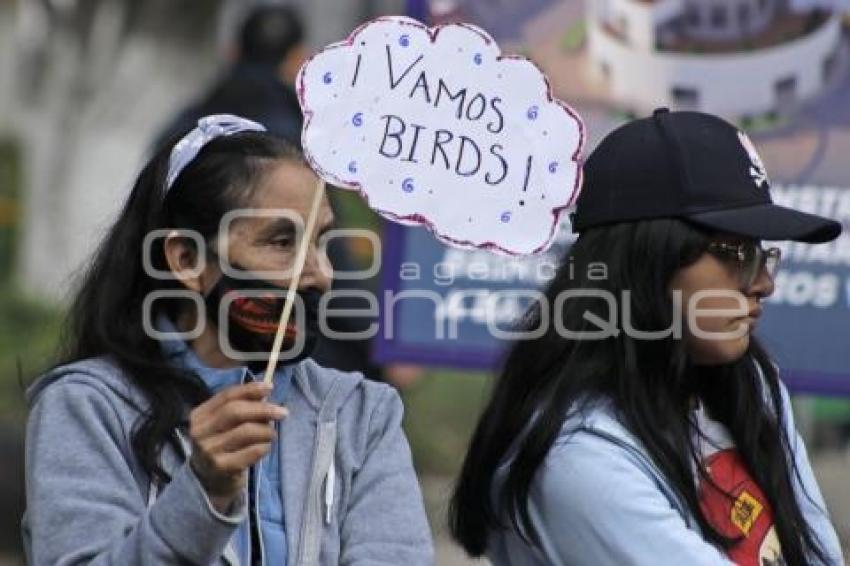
pixel 647 425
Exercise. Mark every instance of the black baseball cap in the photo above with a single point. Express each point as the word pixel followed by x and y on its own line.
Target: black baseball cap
pixel 693 166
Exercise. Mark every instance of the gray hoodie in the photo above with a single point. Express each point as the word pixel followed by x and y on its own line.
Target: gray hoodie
pixel 349 489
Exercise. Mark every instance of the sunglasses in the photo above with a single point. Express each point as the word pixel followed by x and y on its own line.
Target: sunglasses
pixel 750 259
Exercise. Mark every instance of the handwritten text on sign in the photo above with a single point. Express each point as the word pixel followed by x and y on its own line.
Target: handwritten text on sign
pixel 436 127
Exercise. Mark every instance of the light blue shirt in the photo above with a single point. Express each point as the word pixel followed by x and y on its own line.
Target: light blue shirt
pixel 267 474
pixel 599 499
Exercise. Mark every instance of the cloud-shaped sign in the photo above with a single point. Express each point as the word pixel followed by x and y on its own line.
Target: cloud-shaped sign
pixel 437 127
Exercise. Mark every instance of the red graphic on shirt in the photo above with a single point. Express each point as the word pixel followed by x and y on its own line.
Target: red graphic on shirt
pixel 746 515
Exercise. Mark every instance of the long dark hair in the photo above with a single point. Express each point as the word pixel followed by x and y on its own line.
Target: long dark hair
pixel 105 318
pixel 651 384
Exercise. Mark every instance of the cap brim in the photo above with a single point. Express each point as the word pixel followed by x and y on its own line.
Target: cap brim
pixel 770 222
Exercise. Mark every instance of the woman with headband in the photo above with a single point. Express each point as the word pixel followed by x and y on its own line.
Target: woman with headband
pixel 156 441
pixel 647 424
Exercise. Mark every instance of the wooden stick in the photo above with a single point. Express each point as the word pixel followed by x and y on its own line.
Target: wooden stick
pixel 300 259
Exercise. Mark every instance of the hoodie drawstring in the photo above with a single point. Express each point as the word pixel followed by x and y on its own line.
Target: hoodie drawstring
pixel 330 481
pixel 153 491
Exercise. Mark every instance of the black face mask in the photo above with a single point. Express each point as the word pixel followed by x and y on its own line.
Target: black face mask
pixel 254 311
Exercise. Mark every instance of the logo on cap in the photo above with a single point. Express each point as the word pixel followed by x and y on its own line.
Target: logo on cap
pixel 757 170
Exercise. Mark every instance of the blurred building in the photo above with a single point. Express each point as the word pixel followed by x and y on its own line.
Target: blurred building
pixel 738 58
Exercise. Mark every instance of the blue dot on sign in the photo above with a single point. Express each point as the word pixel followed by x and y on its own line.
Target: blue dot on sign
pixel 328 78
pixel 477 58
pixel 532 113
pixel 506 216
pixel 357 120
pixel 404 40
pixel 352 167
pixel 553 167
pixel 407 185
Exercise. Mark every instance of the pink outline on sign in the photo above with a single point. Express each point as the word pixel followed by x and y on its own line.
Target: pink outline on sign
pixel 418 219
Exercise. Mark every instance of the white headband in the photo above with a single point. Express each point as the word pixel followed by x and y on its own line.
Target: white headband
pixel 209 128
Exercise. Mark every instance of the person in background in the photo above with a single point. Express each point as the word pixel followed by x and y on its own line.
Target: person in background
pixel 259 83
pixel 648 425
